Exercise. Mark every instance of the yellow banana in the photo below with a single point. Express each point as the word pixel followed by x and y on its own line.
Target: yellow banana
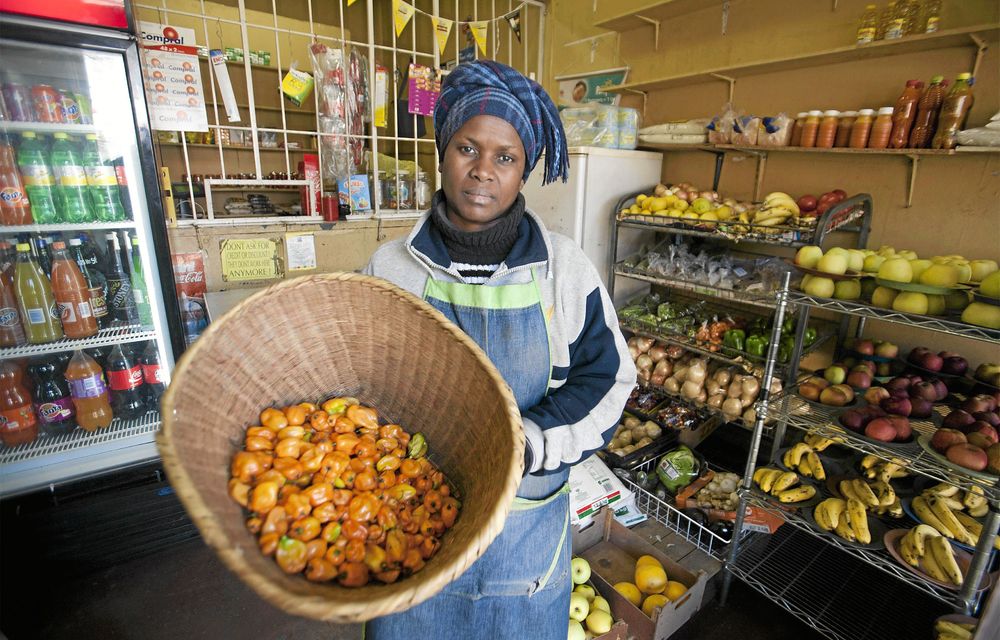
pixel 816 465
pixel 942 489
pixel 975 528
pixel 944 556
pixel 759 473
pixel 829 512
pixel 979 510
pixel 784 481
pixel 847 489
pixel 864 492
pixel 818 442
pixel 973 498
pixel 924 513
pixel 930 566
pixel 919 536
pixel 798 494
pixel 884 492
pixel 952 503
pixel 857 515
pixel 796 454
pixel 950 628
pixel 870 461
pixel 908 550
pixel 894 510
pixel 948 519
pixel 786 459
pixel 822 517
pixel 767 480
pixel 804 468
pixel 844 529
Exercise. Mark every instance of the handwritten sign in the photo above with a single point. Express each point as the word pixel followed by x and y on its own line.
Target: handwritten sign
pixel 250 259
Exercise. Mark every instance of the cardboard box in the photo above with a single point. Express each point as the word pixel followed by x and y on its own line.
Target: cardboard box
pixel 593 485
pixel 755 519
pixel 619 631
pixel 612 549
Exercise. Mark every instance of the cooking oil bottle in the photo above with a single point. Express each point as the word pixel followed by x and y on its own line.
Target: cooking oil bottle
pixel 931 20
pixel 886 17
pixel 868 27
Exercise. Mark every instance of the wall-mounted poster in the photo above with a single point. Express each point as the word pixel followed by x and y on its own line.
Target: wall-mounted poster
pixel 585 88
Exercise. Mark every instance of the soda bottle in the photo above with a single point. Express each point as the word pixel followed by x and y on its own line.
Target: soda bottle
pixel 100 356
pixel 68 107
pixel 95 290
pixel 126 381
pixel 927 113
pixel 72 294
pixel 14 207
pixel 154 376
pixel 18 424
pixel 41 253
pixel 121 302
pixel 35 300
pixel 89 393
pixel 86 109
pixel 53 403
pixel 11 328
pixel 145 312
pixel 954 110
pixel 38 179
pixel 102 183
pixel 71 180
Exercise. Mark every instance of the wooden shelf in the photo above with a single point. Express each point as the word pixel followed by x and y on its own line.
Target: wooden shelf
pixel 191 145
pixel 724 148
pixel 609 16
pixel 911 44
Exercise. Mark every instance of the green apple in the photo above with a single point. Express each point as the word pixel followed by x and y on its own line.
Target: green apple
pixel 990 286
pixel 911 302
pixel 600 604
pixel 957 300
pixel 918 267
pixel 576 631
pixel 709 215
pixel 599 622
pixel 982 315
pixel 805 281
pixel 701 205
pixel 820 287
pixel 939 259
pixel 674 213
pixel 935 305
pixel 586 590
pixel 873 262
pixel 982 268
pixel 855 259
pixel 896 269
pixel 579 608
pixel 725 212
pixel 906 253
pixel 682 205
pixel 964 270
pixel 940 275
pixel 883 297
pixel 808 256
pixel 689 215
pixel 831 262
pixel 847 290
pixel 838 251
pixel 580 570
pixel 886 251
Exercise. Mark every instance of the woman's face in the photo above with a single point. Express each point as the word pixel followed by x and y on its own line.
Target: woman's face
pixel 481 172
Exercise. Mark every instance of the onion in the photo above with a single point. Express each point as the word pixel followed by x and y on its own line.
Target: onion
pixel 671 385
pixel 729 202
pixel 740 207
pixel 696 372
pixel 751 386
pixel 644 343
pixel 735 390
pixel 681 373
pixel 657 378
pixel 675 352
pixel 682 194
pixel 657 352
pixel 702 396
pixel 775 385
pixel 723 377
pixel 653 430
pixel 644 362
pixel 716 401
pixel 633 352
pixel 712 387
pixel 732 407
pixel 660 190
pixel 747 400
pixel 644 374
pixel 663 367
pixel 690 390
pixel 708 195
pixel 750 416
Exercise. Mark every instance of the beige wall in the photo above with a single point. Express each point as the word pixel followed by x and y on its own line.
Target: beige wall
pixel 956 202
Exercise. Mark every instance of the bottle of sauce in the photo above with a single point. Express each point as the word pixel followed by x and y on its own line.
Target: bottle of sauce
pixel 826 135
pixel 905 113
pixel 810 128
pixel 954 110
pixel 861 129
pixel 881 129
pixel 800 120
pixel 927 113
pixel 844 124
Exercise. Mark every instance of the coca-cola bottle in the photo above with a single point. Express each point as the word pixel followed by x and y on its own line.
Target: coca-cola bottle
pixel 154 376
pixel 53 403
pixel 125 382
pixel 100 356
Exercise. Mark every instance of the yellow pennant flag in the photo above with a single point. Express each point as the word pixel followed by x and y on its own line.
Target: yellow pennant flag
pixel 350 2
pixel 402 12
pixel 479 33
pixel 442 29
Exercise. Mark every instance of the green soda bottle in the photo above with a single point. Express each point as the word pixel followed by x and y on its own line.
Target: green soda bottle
pixel 71 180
pixel 39 183
pixel 139 288
pixel 102 182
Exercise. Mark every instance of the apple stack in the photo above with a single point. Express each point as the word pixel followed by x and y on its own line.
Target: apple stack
pixel 589 613
pixel 969 434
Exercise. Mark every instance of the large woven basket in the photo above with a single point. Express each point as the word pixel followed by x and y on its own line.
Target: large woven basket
pixel 330 335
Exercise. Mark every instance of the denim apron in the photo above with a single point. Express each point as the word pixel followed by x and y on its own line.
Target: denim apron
pixel 520 587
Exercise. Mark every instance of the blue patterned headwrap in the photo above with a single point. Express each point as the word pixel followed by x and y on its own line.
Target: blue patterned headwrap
pixel 486 87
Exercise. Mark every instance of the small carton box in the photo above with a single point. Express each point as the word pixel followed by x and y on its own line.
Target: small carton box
pixel 755 519
pixel 309 170
pixel 612 550
pixel 593 485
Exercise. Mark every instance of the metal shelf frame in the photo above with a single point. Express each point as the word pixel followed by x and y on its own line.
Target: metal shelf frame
pixel 763 299
pixel 104 337
pixel 66 226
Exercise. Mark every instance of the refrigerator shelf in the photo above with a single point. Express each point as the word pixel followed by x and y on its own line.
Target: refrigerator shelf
pixel 47 127
pixel 104 337
pixel 66 226
pixel 78 438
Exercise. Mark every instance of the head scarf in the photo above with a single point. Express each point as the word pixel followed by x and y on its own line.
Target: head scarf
pixel 486 87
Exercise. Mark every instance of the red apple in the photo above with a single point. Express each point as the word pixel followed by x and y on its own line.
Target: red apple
pixel 921 408
pixel 968 456
pixel 876 395
pixel 904 432
pixel 859 379
pixel 954 365
pixel 984 428
pixel 840 193
pixel 865 347
pixel 807 203
pixel 925 390
pixel 941 388
pixel 853 419
pixel 943 439
pixel 897 406
pixel 988 417
pixel 957 419
pixel 930 361
pixel 881 429
pixel 980 402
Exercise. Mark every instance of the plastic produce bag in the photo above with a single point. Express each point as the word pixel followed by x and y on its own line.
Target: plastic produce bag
pixel 678 468
pixel 720 129
pixel 745 130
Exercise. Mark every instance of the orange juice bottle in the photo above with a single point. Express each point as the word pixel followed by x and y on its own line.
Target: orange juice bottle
pixel 89 393
pixel 34 296
pixel 72 295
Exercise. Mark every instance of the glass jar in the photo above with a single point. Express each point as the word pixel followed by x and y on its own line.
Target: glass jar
pixel 404 189
pixel 827 133
pixel 800 120
pixel 810 128
pixel 844 128
pixel 881 129
pixel 422 191
pixel 861 128
pixel 380 191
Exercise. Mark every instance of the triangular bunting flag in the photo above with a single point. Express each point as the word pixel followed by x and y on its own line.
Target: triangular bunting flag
pixel 350 2
pixel 401 13
pixel 514 20
pixel 479 29
pixel 442 29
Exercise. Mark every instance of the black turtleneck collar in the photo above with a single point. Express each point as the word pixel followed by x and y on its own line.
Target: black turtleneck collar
pixel 488 246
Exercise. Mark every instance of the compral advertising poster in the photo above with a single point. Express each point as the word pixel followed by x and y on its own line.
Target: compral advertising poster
pixel 174 91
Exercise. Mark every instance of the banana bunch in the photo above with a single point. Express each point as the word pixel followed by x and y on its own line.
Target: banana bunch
pixel 803 458
pixel 877 496
pixel 885 470
pixel 781 484
pixel 925 548
pixel 818 443
pixel 846 518
pixel 953 630
pixel 777 208
pixel 940 507
pixel 971 500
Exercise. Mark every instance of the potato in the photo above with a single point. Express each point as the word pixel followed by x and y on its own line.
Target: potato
pixel 732 407
pixel 631 422
pixel 642 443
pixel 747 400
pixel 716 401
pixel 653 430
pixel 735 390
pixel 625 438
pixel 751 386
pixel 712 387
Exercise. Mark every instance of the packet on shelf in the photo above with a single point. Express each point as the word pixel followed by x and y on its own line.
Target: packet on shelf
pixel 745 131
pixel 775 131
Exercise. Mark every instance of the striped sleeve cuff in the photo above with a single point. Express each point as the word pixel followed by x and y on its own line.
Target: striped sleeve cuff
pixel 534 446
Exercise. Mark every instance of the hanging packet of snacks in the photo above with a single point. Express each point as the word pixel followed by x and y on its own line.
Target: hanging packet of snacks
pixel 424 89
pixel 328 64
pixel 297 85
pixel 359 99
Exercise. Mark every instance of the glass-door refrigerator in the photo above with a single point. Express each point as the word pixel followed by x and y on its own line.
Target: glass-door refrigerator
pixel 87 336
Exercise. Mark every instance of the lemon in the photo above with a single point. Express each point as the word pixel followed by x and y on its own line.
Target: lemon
pixel 650 578
pixel 674 590
pixel 630 591
pixel 658 204
pixel 644 560
pixel 651 602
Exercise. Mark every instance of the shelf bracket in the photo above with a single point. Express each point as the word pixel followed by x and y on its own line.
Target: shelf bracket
pixel 914 165
pixel 656 30
pixel 645 95
pixel 758 181
pixel 981 48
pixel 731 81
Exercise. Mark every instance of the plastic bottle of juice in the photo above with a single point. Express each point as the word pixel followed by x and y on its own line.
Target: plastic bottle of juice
pixel 11 327
pixel 14 206
pixel 35 299
pixel 72 295
pixel 95 289
pixel 38 180
pixel 18 424
pixel 102 183
pixel 71 180
pixel 954 110
pixel 89 393
pixel 868 27
pixel 885 18
pixel 927 113
pixel 905 113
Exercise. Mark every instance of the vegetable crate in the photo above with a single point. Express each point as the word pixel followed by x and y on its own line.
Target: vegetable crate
pixel 612 550
pixel 755 520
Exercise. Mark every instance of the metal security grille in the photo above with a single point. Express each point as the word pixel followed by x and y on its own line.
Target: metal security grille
pixel 289 27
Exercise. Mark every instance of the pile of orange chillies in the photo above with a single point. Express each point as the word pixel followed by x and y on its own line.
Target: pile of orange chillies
pixel 335 494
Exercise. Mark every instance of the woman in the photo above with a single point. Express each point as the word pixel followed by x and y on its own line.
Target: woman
pixel 536 306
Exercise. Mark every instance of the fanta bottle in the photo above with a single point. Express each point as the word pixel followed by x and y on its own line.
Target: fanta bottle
pixel 72 295
pixel 89 393
pixel 14 207
pixel 35 299
pixel 11 328
pixel 18 424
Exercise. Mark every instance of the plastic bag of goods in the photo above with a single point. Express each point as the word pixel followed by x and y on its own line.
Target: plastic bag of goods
pixel 745 130
pixel 775 131
pixel 628 127
pixel 720 129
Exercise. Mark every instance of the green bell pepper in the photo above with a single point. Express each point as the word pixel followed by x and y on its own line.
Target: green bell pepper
pixel 756 345
pixel 788 326
pixel 809 337
pixel 734 339
pixel 785 349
